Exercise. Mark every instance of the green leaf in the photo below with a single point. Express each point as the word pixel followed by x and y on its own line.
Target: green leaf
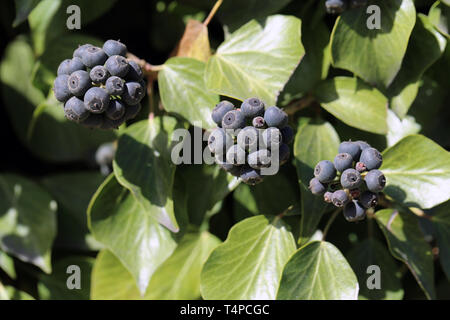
pixel 425 47
pixel 73 191
pixel 144 166
pixel 3 294
pixel 178 278
pixel 27 221
pixel 204 186
pixel 354 102
pixel 70 141
pixel 7 265
pixel 441 224
pixel 249 9
pixel 183 91
pixel 417 172
pixel 46 133
pixel 55 285
pixel 249 263
pixel 372 252
pixel 407 244
pixel 313 143
pixel 315 64
pixel 23 9
pixel 48 20
pixel 271 197
pixel 111 280
pixel 318 271
pixel 374 55
pixel 15 294
pixel 130 231
pixel 440 17
pixel 400 128
pixel 256 61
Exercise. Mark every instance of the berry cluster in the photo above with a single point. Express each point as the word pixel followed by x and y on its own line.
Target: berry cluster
pixel 353 181
pixel 250 138
pixel 339 6
pixel 99 87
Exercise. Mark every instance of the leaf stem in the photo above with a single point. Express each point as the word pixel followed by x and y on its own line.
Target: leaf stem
pixel 212 12
pixel 147 68
pixel 330 222
pixel 300 104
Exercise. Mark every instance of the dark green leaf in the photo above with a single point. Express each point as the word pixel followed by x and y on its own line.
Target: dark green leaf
pixel 313 143
pixel 48 20
pixel 205 186
pixel 375 55
pixel 271 197
pixel 73 191
pixel 23 9
pixel 143 165
pixel 407 244
pixel 27 221
pixel 55 285
pixel 355 103
pixel 441 224
pixel 248 10
pixel 372 252
pixel 440 17
pixel 425 47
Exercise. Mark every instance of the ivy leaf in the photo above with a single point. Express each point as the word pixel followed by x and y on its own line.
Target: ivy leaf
pixel 424 48
pixel 271 197
pixel 7 265
pixel 204 186
pixel 143 165
pixel 178 278
pixel 73 191
pixel 318 271
pixel 3 294
pixel 27 221
pixel 400 128
pixel 315 64
pixel 195 42
pixel 182 89
pixel 256 61
pixel 15 294
pixel 248 264
pixel 416 168
pixel 249 9
pixel 54 286
pixel 375 55
pixel 111 280
pixel 23 9
pixel 129 230
pixel 354 102
pixel 313 143
pixel 441 224
pixel 48 19
pixel 439 16
pixel 372 252
pixel 407 244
